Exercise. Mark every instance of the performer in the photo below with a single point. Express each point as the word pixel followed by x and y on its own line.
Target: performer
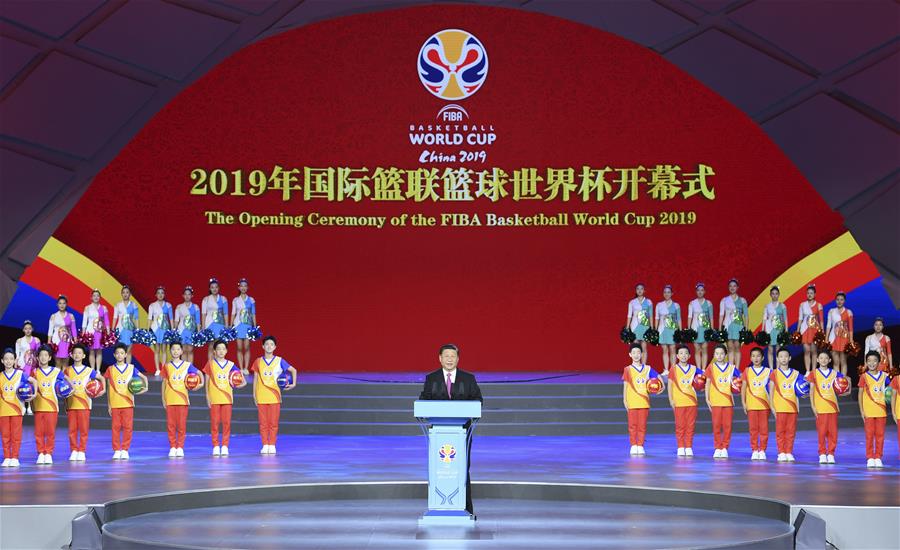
pixel 873 408
pixel 840 331
pixel 878 342
pixel 62 332
pixel 46 406
pixel 125 320
pixel 825 405
pixel 783 397
pixel 640 317
pixel 451 383
pixel 636 398
pixel 810 322
pixel 220 396
pixel 719 374
pixel 700 317
pixel 94 321
pixel 267 394
pixel 668 319
pixel 187 319
pixel 10 410
pixel 175 398
pixel 215 310
pixel 755 401
pixel 733 318
pixel 160 314
pixel 775 322
pixel 683 400
pixel 243 318
pixel 120 404
pixel 79 404
pixel 26 354
pixel 895 406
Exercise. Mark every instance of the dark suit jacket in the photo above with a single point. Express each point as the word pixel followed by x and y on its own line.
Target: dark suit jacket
pixel 465 388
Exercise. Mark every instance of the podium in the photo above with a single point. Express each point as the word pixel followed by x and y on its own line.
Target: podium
pixel 444 422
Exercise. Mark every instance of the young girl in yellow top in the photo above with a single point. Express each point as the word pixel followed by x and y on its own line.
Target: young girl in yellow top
pixel 120 404
pixel 783 397
pixel 637 397
pixel 175 398
pixel 79 404
pixel 825 405
pixel 873 408
pixel 267 393
pixel 11 408
pixel 220 396
pixel 46 405
pixel 683 399
pixel 755 401
pixel 719 375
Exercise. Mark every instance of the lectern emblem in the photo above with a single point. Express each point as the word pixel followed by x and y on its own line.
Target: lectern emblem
pixel 447 453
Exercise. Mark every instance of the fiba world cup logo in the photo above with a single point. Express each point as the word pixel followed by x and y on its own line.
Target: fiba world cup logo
pixel 447 453
pixel 452 64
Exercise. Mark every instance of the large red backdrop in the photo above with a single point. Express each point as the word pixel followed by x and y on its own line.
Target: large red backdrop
pixel 343 93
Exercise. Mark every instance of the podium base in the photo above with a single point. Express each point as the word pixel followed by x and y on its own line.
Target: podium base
pixel 450 518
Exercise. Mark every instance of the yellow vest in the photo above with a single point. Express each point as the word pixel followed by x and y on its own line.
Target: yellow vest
pixel 46 400
pixel 636 394
pixel 266 390
pixel 218 384
pixel 683 393
pixel 719 383
pixel 872 389
pixel 784 395
pixel 822 390
pixel 79 400
pixel 117 387
pixel 757 397
pixel 9 400
pixel 176 392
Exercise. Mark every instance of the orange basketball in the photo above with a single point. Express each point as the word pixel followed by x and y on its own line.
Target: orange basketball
pixel 93 388
pixel 654 386
pixel 736 384
pixel 236 378
pixel 842 385
pixel 191 381
pixel 699 382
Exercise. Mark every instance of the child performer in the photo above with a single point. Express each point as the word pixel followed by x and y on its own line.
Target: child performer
pixel 878 342
pixel 187 319
pixel 700 316
pixel 267 394
pixel 125 319
pixel 733 317
pixel 637 398
pixel 640 317
pixel 774 321
pixel 26 354
pixel 783 397
pixel 10 409
pixel 62 331
pixel 840 331
pixel 160 313
pixel 94 321
pixel 825 405
pixel 873 409
pixel 719 374
pixel 668 318
pixel 78 405
pixel 46 406
pixel 219 396
pixel 810 321
pixel 683 400
pixel 175 398
pixel 895 405
pixel 214 309
pixel 243 318
pixel 121 402
pixel 755 401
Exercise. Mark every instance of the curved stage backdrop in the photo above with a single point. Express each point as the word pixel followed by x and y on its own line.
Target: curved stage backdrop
pixel 389 182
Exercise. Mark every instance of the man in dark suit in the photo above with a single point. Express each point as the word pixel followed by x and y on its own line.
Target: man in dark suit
pixel 450 383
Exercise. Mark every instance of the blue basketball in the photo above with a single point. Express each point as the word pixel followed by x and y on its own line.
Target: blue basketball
pixel 284 380
pixel 63 388
pixel 25 392
pixel 801 387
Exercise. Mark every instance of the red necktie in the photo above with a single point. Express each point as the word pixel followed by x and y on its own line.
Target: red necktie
pixel 449 385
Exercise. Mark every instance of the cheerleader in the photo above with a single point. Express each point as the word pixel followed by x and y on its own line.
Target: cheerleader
pixel 26 354
pixel 187 321
pixel 125 320
pixel 94 321
pixel 810 322
pixel 700 316
pixel 668 318
pixel 160 313
pixel 215 310
pixel 774 322
pixel 62 332
pixel 840 331
pixel 243 318
pixel 878 342
pixel 733 318
pixel 640 317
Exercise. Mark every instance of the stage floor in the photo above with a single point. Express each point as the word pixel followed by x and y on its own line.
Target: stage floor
pixel 569 459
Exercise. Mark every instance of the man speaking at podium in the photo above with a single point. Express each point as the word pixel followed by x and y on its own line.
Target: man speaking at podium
pixel 450 383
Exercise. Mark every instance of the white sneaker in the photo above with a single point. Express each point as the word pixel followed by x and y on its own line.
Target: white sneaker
pixel 264 450
pixel 755 455
pixel 782 457
pixel 124 455
pixel 81 457
pixel 870 463
pixel 761 455
pixel 688 452
pixel 717 454
pixel 48 459
pixel 29 412
pixel 271 449
pixel 217 451
pixel 73 457
pixel 172 452
pixel 823 459
pixel 879 463
pixel 633 450
pixel 117 455
pixel 179 452
pixel 790 457
pixel 224 450
pixel 831 459
pixel 6 462
pixel 724 453
pixel 14 463
pixel 40 458
pixel 680 451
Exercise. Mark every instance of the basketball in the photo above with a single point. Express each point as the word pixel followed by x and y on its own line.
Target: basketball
pixel 136 385
pixel 63 388
pixel 888 394
pixel 801 387
pixel 842 385
pixel 25 392
pixel 236 378
pixel 284 379
pixel 93 388
pixel 699 382
pixel 655 386
pixel 191 381
pixel 736 384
